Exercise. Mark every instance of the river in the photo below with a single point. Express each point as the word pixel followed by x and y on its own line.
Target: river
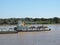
pixel 32 38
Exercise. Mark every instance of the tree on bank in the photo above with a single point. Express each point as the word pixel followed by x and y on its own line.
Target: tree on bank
pixel 13 21
pixel 56 20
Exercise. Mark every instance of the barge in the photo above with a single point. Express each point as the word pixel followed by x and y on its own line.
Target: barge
pixel 7 31
pixel 22 27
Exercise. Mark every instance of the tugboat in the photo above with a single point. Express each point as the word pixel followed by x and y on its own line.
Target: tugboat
pixel 22 27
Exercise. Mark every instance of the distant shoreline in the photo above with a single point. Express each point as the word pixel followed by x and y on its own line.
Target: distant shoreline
pixel 29 24
pixel 14 21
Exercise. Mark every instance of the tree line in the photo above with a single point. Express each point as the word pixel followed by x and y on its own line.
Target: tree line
pixel 13 21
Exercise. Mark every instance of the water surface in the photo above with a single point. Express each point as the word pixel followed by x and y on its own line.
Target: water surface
pixel 32 38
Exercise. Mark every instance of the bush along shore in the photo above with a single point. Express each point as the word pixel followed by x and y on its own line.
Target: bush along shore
pixel 13 21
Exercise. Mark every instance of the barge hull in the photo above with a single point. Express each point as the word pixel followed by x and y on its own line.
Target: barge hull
pixel 31 30
pixel 8 32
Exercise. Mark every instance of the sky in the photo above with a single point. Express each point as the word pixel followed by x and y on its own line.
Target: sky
pixel 29 8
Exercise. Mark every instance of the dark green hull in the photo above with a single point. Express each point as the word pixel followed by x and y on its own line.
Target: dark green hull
pixel 8 32
pixel 31 30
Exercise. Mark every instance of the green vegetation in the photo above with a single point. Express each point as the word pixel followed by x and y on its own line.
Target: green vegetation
pixel 13 21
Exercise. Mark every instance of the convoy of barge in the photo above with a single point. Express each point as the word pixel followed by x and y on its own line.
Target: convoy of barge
pixel 22 27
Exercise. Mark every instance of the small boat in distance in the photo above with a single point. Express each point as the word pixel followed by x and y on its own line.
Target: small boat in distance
pixel 22 27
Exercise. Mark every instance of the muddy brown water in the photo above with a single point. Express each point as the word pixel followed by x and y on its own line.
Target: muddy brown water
pixel 32 38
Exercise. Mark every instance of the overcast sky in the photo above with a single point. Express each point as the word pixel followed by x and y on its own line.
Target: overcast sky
pixel 29 8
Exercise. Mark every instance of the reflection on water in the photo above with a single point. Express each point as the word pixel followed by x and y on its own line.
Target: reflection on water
pixel 33 38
